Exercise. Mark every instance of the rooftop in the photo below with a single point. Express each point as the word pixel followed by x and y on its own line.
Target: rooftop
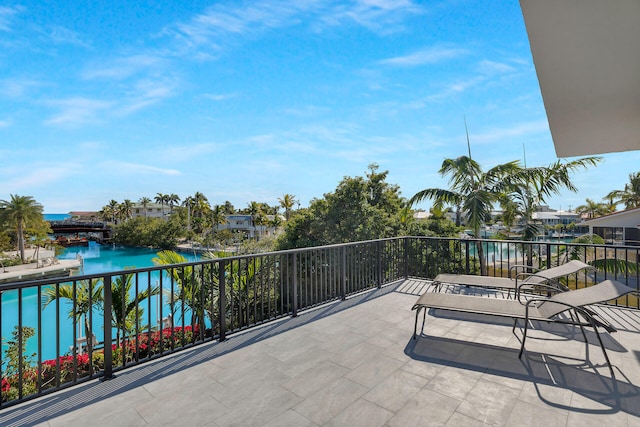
pixel 354 363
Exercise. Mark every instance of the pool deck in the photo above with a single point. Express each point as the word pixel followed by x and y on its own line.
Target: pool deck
pixel 355 363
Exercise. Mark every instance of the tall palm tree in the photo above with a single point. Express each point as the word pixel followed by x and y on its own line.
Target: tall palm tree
pixel 87 296
pixel 161 198
pixel 217 216
pixel 528 188
pixel 630 195
pixel 125 209
pixel 592 209
pixel 287 202
pixel 144 201
pixel 472 189
pixel 17 213
pixel 113 209
pixel 173 199
pixel 126 311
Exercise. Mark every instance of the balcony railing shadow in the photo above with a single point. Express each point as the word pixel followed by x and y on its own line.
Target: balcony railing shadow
pixel 540 369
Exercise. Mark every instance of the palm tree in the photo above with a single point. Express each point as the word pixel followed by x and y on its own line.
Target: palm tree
pixel 18 212
pixel 218 217
pixel 630 195
pixel 144 201
pixel 173 199
pixel 473 190
pixel 191 287
pixel 527 188
pixel 161 198
pixel 113 208
pixel 592 209
pixel 287 202
pixel 125 209
pixel 126 312
pixel 86 294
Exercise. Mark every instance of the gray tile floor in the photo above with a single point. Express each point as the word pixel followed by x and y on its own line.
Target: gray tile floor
pixel 354 363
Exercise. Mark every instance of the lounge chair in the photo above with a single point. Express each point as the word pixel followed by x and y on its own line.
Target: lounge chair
pixel 542 309
pixel 522 280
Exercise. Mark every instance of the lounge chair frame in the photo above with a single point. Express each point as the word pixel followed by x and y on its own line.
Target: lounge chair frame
pixel 528 279
pixel 575 303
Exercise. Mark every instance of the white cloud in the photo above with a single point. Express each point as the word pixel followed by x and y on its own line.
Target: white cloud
pixel 5 123
pixel 15 88
pixel 135 168
pixel 220 96
pixel 492 67
pixel 517 130
pixel 122 68
pixel 76 111
pixel 145 93
pixel 431 55
pixel 212 28
pixel 6 17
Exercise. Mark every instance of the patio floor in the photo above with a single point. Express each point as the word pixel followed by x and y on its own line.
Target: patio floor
pixel 354 363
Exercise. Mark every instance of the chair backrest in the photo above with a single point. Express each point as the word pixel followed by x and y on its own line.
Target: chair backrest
pixel 602 292
pixel 562 270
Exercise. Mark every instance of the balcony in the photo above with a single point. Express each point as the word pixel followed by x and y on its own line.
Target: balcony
pixel 341 353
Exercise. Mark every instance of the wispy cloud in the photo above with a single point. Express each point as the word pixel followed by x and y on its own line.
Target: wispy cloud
pixel 215 27
pixel 5 123
pixel 15 88
pixel 6 16
pixel 144 94
pixel 77 111
pixel 123 67
pixel 38 175
pixel 136 168
pixel 430 55
pixel 510 132
pixel 220 96
pixel 492 67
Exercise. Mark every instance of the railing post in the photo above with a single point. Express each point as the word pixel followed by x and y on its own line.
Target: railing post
pixel 379 263
pixel 294 284
pixel 549 255
pixel 466 249
pixel 405 257
pixel 108 339
pixel 222 300
pixel 343 273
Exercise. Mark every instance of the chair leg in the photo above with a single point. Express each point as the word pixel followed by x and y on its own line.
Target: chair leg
pixel 577 320
pixel 524 336
pixel 515 323
pixel 415 326
pixel 604 351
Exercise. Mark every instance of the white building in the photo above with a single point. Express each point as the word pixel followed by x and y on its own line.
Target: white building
pixel 617 228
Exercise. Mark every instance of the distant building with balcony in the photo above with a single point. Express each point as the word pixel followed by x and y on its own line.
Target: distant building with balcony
pixel 153 210
pixel 621 228
pixel 243 223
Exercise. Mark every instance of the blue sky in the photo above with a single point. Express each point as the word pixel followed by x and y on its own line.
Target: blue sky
pixel 251 100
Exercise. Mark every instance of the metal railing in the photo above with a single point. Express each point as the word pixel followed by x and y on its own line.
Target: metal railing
pixel 60 332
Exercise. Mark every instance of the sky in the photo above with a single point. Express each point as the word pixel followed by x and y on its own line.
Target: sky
pixel 248 100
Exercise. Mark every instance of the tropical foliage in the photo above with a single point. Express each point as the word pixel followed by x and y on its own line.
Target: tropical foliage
pixel 18 213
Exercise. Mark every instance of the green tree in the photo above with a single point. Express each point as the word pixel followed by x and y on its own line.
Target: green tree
pixel 85 294
pixel 630 195
pixel 287 202
pixel 361 208
pixel 173 200
pixel 19 212
pixel 126 311
pixel 592 209
pixel 473 190
pixel 527 188
pixel 144 201
pixel 161 198
pixel 125 209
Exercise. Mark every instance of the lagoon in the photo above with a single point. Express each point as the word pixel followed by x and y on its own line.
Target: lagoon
pixel 97 259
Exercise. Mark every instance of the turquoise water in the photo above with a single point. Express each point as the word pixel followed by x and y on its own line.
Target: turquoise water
pixel 97 259
pixel 56 217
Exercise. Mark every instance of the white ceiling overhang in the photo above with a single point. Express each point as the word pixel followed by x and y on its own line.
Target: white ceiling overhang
pixel 587 58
